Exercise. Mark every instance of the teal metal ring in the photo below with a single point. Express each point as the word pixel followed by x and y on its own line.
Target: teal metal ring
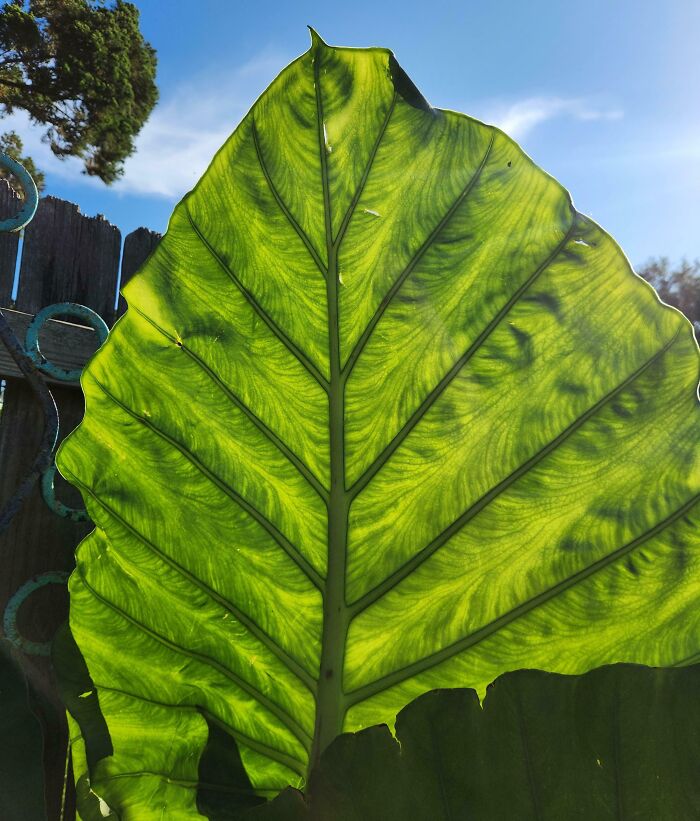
pixel 31 195
pixel 9 622
pixel 48 493
pixel 31 341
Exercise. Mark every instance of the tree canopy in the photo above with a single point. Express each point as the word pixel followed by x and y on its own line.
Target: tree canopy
pixel 678 286
pixel 82 69
pixel 12 145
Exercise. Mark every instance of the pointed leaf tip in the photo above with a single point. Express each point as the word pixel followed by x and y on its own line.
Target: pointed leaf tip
pixel 316 39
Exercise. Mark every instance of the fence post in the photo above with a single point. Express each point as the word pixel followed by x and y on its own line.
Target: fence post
pixel 66 257
pixel 9 205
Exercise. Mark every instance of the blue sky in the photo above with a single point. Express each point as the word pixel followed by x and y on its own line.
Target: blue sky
pixel 604 95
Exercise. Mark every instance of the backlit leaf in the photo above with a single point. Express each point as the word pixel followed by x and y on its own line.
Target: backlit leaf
pixel 385 414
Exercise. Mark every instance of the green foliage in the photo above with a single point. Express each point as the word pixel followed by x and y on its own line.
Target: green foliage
pixel 385 414
pixel 11 144
pixel 83 70
pixel 678 286
pixel 618 742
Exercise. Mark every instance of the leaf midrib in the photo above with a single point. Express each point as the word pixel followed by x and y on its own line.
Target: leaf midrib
pixel 331 701
pixel 329 716
pixel 527 755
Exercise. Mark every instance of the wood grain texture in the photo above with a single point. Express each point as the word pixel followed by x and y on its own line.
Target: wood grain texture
pixel 63 343
pixel 69 257
pixel 137 247
pixel 66 256
pixel 38 541
pixel 9 204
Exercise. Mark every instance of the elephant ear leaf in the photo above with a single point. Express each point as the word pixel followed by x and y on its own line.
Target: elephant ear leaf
pixel 621 741
pixel 385 414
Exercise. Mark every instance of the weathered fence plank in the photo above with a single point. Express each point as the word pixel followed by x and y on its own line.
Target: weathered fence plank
pixel 37 542
pixel 137 246
pixel 10 204
pixel 63 343
pixel 68 257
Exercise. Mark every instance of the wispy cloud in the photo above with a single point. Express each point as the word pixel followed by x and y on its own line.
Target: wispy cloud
pixel 186 128
pixel 520 118
pixel 193 120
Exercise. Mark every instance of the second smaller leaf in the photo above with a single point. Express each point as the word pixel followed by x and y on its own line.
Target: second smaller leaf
pixel 621 741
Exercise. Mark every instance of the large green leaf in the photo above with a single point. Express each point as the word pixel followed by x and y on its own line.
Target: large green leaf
pixel 385 414
pixel 620 742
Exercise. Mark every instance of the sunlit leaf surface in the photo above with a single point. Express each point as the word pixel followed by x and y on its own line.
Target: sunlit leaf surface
pixel 385 414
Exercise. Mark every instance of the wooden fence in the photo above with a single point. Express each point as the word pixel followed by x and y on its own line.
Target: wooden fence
pixel 65 257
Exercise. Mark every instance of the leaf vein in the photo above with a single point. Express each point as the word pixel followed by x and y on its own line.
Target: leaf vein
pixel 281 715
pixel 303 236
pixel 278 755
pixel 527 755
pixel 424 554
pixel 415 668
pixel 403 276
pixel 298 463
pixel 365 175
pixel 294 349
pixel 293 665
pixel 448 378
pixel 282 541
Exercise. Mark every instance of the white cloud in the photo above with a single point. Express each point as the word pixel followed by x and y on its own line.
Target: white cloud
pixel 520 118
pixel 187 127
pixel 193 120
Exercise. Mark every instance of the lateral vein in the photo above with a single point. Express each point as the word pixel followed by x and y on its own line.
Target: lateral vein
pixel 415 668
pixel 282 205
pixel 447 379
pixel 281 715
pixel 295 667
pixel 298 463
pixel 425 553
pixel 189 784
pixel 278 755
pixel 294 349
pixel 302 563
pixel 365 176
pixel 383 305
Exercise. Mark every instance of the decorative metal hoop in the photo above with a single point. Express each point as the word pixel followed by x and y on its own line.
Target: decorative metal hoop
pixel 33 648
pixel 31 340
pixel 31 195
pixel 48 493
